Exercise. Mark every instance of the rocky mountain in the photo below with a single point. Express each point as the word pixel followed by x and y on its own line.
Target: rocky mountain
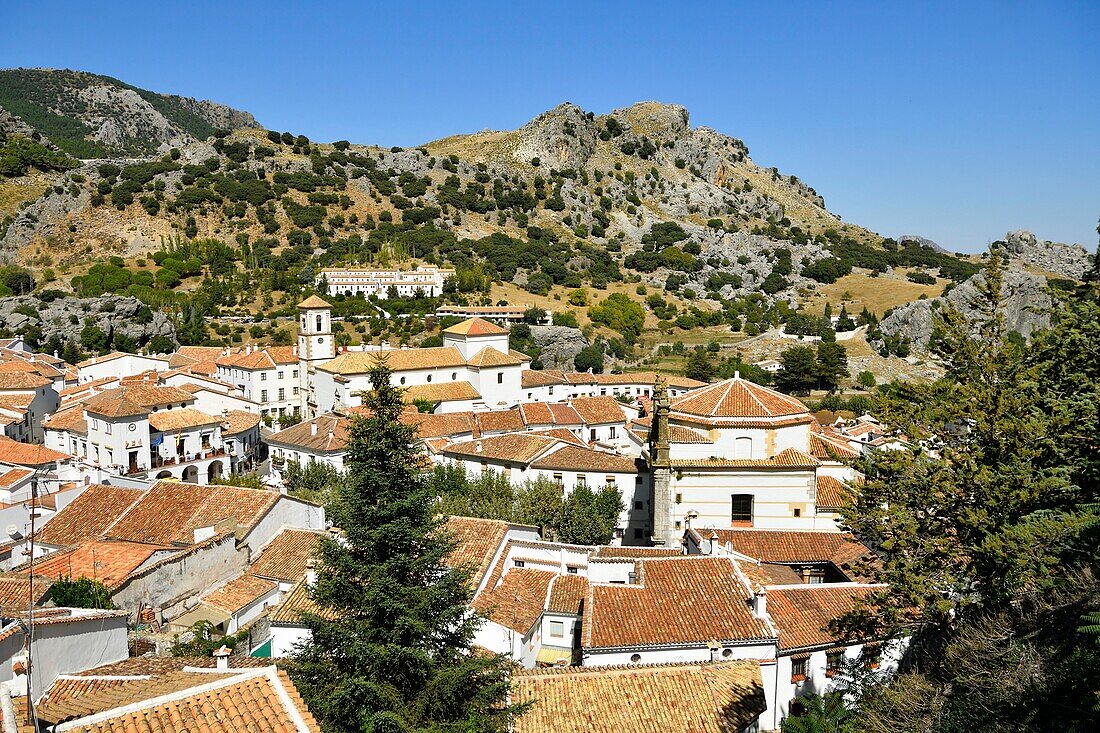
pixel 61 321
pixel 1066 260
pixel 93 116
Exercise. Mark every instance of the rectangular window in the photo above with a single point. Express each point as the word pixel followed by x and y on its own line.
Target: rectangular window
pixel 582 480
pixel 741 510
pixel 571 569
pixel 872 655
pixel 295 391
pixel 592 434
pixel 798 512
pixel 500 378
pixel 798 667
pixel 280 375
pixel 611 432
pixel 609 481
pixel 107 428
pixel 263 395
pixel 295 373
pixel 834 662
pixel 558 479
pixel 282 393
pixel 518 563
pixel 557 628
pixel 263 376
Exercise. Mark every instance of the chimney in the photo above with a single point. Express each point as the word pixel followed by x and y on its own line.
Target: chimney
pixel 715 650
pixel 55 354
pixel 313 428
pixel 477 446
pixel 311 573
pixel 737 375
pixel 222 655
pixel 32 357
pixel 713 542
pixel 760 603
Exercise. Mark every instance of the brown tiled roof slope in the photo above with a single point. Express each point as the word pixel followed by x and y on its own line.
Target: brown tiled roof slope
pixel 72 697
pixel 250 701
pixel 284 557
pixel 476 543
pixel 476 327
pixel 677 601
pixel 239 592
pixel 737 398
pixel 518 602
pixel 332 434
pixel 170 511
pixel 686 698
pixel 16 589
pixel 107 562
pixel 89 515
pixel 297 602
pixel 803 614
pixel 832 493
pixel 791 546
pixel 567 594
pixel 573 458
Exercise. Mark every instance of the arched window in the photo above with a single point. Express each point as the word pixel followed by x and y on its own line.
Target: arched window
pixel 742 447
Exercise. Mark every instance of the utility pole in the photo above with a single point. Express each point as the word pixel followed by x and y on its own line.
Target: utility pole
pixel 30 599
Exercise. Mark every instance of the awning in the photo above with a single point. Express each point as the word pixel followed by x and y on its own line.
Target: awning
pixel 548 655
pixel 199 613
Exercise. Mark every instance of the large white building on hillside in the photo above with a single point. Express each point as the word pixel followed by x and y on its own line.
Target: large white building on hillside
pixel 425 280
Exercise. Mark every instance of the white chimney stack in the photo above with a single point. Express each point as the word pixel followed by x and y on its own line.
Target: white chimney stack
pixel 477 446
pixel 311 573
pixel 760 603
pixel 313 428
pixel 222 655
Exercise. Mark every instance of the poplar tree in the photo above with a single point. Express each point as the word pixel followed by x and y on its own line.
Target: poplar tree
pixel 391 646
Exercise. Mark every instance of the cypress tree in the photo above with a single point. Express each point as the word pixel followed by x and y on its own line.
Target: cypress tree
pixel 393 650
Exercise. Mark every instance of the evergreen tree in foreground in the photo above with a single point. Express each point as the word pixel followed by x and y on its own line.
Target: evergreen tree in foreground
pixel 397 655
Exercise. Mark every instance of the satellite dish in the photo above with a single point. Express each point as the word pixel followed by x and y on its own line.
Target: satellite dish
pixel 14 533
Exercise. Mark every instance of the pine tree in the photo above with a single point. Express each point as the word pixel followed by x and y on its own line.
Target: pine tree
pixel 396 655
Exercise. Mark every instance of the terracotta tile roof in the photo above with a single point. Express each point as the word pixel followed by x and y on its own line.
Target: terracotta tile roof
pixel 12 476
pixel 573 458
pixel 399 360
pixel 791 546
pixel 107 562
pixel 563 434
pixel 444 424
pixel 531 378
pixel 647 378
pixel 239 592
pixel 567 594
pixel 681 434
pixel 512 447
pixel 677 601
pixel 88 516
pixel 826 447
pixel 476 544
pixel 442 392
pixel 549 413
pixel 475 327
pixel 92 360
pixel 171 511
pixel 499 421
pixel 832 493
pixel 331 434
pixel 789 458
pixel 296 602
pixel 490 357
pixel 618 552
pixel 70 418
pixel 87 386
pixel 517 603
pixel 255 701
pixel 192 354
pixel 26 454
pixel 181 418
pixel 136 399
pixel 157 666
pixel 72 696
pixel 314 302
pixel 238 421
pixel 802 614
pixel 15 590
pixel 598 410
pixel 284 557
pixel 267 358
pixel 20 379
pixel 737 398
pixel 722 697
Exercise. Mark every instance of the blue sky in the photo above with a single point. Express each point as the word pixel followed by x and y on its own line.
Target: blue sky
pixel 958 121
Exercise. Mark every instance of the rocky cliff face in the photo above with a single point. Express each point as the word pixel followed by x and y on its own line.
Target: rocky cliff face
pixel 1067 260
pixel 118 317
pixel 559 344
pixel 94 116
pixel 1023 302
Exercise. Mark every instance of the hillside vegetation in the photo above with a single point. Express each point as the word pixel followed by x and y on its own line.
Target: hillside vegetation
pixel 564 213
